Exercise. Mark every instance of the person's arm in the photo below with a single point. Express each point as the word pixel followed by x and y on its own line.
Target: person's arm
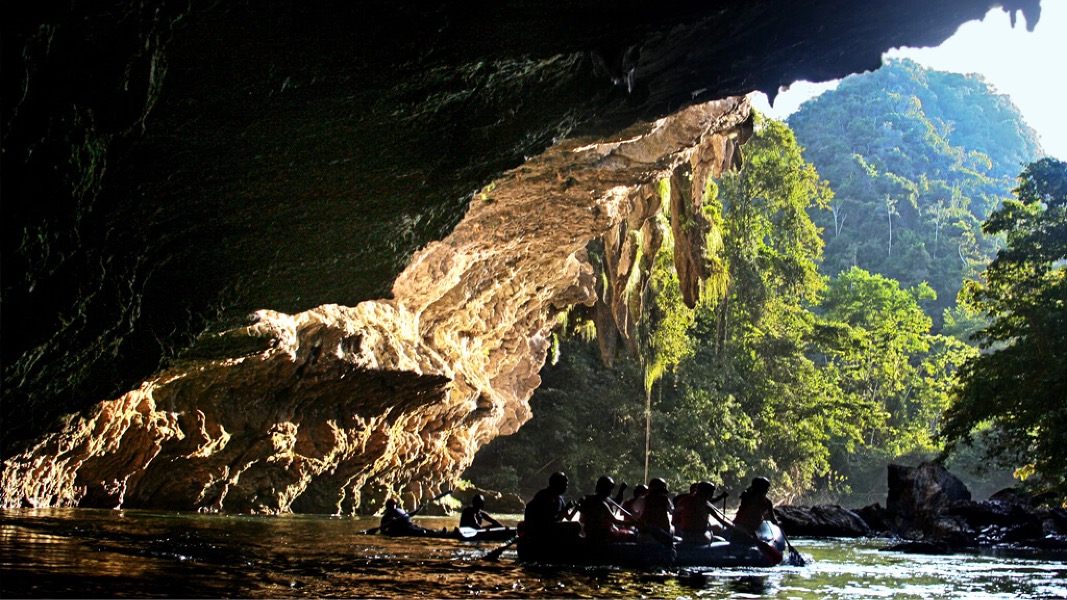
pixel 569 510
pixel 770 513
pixel 491 520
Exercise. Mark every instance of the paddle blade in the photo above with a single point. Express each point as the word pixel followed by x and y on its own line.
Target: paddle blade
pixel 494 555
pixel 796 559
pixel 467 532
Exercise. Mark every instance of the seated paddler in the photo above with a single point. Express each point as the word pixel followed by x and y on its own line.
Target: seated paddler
pixel 754 509
pixel 397 521
pixel 547 515
pixel 597 514
pixel 692 516
pixel 474 517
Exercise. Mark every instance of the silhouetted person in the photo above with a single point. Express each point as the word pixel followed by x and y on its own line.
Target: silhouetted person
pixel 598 517
pixel 474 516
pixel 635 503
pixel 545 514
pixel 395 521
pixel 755 507
pixel 655 517
pixel 692 515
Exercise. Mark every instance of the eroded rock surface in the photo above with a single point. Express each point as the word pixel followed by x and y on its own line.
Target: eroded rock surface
pixel 340 406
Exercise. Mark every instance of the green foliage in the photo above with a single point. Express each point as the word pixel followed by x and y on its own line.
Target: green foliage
pixel 917 160
pixel 665 328
pixel 817 382
pixel 1016 394
pixel 888 367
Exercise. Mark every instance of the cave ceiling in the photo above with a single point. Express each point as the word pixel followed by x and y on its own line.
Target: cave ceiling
pixel 307 254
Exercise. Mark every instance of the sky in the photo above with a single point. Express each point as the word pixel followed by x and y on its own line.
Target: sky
pixel 1029 67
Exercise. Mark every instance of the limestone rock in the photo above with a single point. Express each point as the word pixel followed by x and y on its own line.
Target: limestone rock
pixel 335 408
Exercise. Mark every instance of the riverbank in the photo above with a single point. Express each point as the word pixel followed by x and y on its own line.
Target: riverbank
pixel 929 510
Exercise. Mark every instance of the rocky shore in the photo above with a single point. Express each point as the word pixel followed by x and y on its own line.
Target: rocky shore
pixel 929 510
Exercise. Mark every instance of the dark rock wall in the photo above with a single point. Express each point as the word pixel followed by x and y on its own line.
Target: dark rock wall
pixel 171 167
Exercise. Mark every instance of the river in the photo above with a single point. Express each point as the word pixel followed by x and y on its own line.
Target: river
pixel 131 553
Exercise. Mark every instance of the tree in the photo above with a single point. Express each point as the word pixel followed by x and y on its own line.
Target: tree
pixel 921 157
pixel 1015 394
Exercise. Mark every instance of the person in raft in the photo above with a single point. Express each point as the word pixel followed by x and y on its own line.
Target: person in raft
pixel 474 517
pixel 598 518
pixel 692 515
pixel 655 518
pixel 635 503
pixel 396 521
pixel 755 507
pixel 547 516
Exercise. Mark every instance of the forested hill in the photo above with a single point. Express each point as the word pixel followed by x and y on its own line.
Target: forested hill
pixel 917 160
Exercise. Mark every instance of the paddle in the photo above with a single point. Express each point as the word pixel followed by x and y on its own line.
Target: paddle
pixel 769 552
pixel 469 532
pixel 494 554
pixel 796 559
pixel 374 530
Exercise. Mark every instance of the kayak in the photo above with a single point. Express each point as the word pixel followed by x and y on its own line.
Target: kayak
pixel 578 552
pixel 465 534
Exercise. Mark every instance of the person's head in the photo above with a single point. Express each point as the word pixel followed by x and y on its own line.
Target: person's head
pixel 693 487
pixel 640 490
pixel 705 489
pixel 390 503
pixel 604 485
pixel 478 501
pixel 760 485
pixel 657 486
pixel 557 482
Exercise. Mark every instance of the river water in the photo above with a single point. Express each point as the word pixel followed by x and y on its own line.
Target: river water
pixel 130 553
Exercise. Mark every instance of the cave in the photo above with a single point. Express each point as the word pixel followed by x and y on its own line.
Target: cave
pixel 284 256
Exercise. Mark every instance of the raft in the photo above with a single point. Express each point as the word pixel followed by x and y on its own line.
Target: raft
pixel 579 552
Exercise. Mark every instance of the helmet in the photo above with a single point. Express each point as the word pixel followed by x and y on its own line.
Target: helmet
pixel 558 481
pixel 761 483
pixel 706 488
pixel 604 485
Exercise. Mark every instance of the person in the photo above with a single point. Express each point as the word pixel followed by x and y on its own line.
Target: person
pixel 598 518
pixel 635 503
pixel 693 513
pixel 655 517
pixel 692 492
pixel 754 507
pixel 546 515
pixel 473 516
pixel 396 521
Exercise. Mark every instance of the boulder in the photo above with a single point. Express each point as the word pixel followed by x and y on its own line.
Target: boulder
pixel 876 517
pixel 821 521
pixel 922 490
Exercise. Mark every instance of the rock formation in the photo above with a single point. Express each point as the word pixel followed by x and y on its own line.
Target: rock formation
pixel 392 396
pixel 929 511
pixel 401 194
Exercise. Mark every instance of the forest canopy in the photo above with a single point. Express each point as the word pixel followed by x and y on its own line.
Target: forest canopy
pixel 831 343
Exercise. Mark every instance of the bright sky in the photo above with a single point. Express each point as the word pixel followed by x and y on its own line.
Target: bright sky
pixel 1027 66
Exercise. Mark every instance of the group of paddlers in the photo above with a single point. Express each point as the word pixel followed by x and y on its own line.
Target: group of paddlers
pixel 649 515
pixel 396 521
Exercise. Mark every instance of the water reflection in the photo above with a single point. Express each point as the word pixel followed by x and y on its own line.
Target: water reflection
pixel 89 553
